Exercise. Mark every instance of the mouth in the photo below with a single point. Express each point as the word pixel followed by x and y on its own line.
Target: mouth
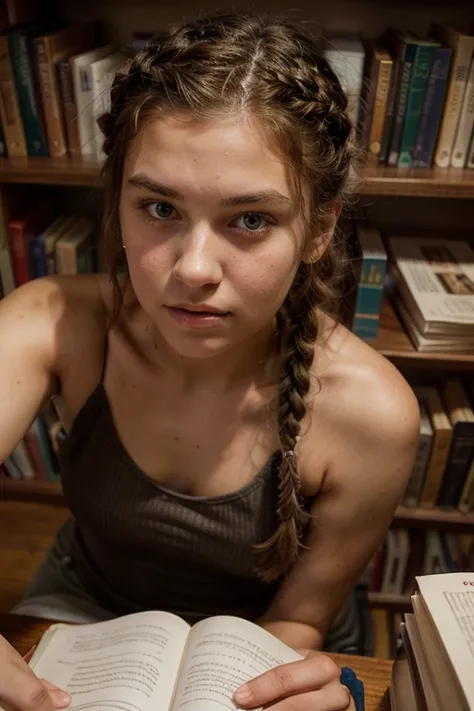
pixel 196 316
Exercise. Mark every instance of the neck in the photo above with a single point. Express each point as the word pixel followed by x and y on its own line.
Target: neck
pixel 252 360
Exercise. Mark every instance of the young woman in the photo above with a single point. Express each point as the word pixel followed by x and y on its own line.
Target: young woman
pixel 230 447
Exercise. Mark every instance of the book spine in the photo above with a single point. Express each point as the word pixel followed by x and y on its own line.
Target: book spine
pixel 401 105
pixel 24 79
pixel 50 95
pixel 466 122
pixel 459 461
pixel 470 156
pixel 19 254
pixel 452 109
pixel 415 483
pixel 367 97
pixel 433 108
pixel 466 500
pixel 86 125
pixel 38 257
pixel 32 442
pixel 380 105
pixel 9 106
pixel 389 112
pixel 436 468
pixel 69 108
pixel 416 96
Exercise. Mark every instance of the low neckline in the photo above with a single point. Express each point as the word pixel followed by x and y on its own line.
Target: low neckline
pixel 91 405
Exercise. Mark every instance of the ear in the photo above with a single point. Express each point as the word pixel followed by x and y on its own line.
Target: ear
pixel 318 244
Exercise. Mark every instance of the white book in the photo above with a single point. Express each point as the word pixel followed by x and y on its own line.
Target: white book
pixel 103 73
pixel 12 469
pixel 463 47
pixel 155 661
pixel 444 612
pixel 435 279
pixel 345 54
pixel 80 67
pixel 22 460
pixel 426 673
pixel 466 123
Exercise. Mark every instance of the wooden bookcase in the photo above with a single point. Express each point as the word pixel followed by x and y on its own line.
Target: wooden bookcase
pixel 441 199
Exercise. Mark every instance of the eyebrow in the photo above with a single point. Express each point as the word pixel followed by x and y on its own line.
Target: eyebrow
pixel 269 196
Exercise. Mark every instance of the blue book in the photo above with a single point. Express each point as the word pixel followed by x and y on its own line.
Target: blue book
pixel 373 265
pixel 433 108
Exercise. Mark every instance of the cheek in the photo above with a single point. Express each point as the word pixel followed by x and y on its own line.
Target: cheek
pixel 266 275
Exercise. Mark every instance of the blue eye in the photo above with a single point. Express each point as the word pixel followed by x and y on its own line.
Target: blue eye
pixel 252 222
pixel 160 210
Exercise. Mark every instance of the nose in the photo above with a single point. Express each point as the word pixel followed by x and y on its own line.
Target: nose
pixel 198 262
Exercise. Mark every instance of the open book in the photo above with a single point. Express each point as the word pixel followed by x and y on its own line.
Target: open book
pixel 154 661
pixel 439 641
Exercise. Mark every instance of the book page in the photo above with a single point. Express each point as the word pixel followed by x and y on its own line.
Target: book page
pixel 222 654
pixel 449 598
pixel 127 664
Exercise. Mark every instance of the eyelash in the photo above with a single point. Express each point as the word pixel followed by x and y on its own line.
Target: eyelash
pixel 270 221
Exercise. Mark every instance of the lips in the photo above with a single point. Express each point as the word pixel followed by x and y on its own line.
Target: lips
pixel 193 318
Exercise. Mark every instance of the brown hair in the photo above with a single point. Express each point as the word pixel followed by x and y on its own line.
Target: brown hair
pixel 271 69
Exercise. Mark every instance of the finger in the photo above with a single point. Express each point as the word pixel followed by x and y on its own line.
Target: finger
pixel 299 677
pixel 332 697
pixel 23 691
pixel 61 699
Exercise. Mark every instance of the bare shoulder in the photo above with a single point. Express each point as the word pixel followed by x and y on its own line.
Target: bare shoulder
pixel 56 313
pixel 363 404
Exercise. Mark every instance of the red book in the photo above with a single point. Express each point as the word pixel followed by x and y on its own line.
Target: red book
pixel 20 232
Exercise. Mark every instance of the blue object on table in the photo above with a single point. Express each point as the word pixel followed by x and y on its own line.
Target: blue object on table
pixel 355 686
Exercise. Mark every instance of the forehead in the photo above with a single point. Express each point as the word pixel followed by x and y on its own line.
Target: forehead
pixel 228 153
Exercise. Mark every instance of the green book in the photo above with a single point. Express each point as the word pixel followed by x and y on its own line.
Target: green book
pixel 424 56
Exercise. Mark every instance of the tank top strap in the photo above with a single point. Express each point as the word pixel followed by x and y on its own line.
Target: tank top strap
pixel 104 358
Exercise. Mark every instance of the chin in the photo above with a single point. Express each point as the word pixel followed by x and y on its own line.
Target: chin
pixel 197 348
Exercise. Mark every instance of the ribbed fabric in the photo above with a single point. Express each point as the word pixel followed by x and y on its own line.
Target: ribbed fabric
pixel 140 546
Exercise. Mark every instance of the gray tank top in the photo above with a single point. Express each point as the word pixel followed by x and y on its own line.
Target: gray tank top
pixel 139 546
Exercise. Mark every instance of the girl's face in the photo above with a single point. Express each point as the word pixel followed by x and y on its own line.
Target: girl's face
pixel 212 232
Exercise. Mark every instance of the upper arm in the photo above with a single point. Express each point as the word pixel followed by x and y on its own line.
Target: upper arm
pixel 350 515
pixel 28 347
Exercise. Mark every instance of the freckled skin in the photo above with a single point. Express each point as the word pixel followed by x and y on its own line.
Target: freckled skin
pixel 197 256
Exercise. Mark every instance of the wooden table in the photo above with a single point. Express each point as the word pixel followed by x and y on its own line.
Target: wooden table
pixel 24 632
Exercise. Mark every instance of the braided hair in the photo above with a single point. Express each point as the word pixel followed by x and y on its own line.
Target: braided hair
pixel 272 70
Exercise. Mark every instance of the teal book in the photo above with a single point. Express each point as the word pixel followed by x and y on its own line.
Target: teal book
pixel 23 64
pixel 372 269
pixel 420 74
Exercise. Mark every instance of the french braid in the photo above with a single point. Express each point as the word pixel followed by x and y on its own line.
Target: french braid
pixel 271 70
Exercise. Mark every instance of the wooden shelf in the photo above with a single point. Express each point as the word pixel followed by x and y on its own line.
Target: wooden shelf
pixel 21 490
pixel 389 601
pixel 393 342
pixel 417 182
pixel 435 518
pixel 375 179
pixel 50 171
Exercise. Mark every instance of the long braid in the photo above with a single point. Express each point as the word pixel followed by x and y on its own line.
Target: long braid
pixel 298 326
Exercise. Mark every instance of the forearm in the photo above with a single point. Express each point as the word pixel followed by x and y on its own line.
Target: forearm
pixel 295 634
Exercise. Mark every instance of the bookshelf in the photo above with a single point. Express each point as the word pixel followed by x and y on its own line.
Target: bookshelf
pixel 375 180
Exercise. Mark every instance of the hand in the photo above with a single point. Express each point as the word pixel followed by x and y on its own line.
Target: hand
pixel 311 684
pixel 20 688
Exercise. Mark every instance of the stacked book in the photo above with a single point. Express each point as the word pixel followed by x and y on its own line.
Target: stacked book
pixel 412 96
pixel 433 670
pixel 434 292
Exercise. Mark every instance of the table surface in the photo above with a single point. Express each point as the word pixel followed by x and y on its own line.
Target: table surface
pixel 24 632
